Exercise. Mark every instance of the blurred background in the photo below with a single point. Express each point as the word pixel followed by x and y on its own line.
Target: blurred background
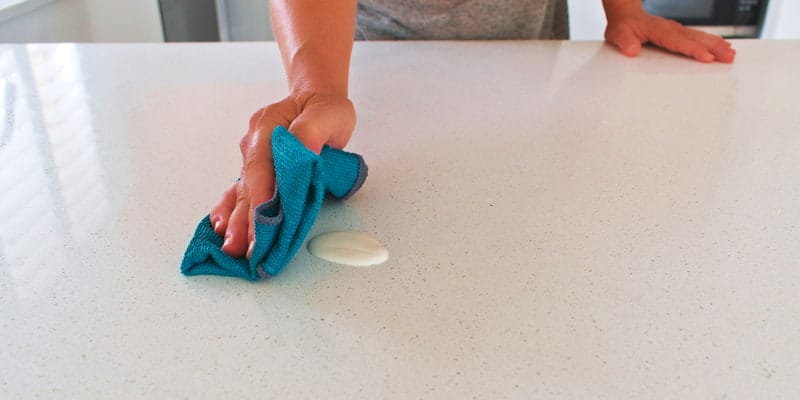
pixel 248 20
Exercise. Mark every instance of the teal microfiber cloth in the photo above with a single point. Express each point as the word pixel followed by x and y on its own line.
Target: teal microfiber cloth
pixel 282 223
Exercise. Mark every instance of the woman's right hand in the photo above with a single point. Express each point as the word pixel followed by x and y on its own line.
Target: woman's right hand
pixel 316 120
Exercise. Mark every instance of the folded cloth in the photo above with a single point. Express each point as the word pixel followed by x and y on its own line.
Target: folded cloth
pixel 282 223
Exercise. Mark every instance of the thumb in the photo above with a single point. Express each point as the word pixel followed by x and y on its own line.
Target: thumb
pixel 325 121
pixel 625 39
pixel 307 131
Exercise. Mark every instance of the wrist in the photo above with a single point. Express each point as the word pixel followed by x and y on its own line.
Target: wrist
pixel 303 95
pixel 303 89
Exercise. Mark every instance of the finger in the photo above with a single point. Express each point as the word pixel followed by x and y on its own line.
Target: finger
pixel 259 167
pixel 685 46
pixel 719 47
pixel 723 53
pixel 308 134
pixel 696 50
pixel 235 243
pixel 261 187
pixel 625 39
pixel 725 56
pixel 673 36
pixel 222 210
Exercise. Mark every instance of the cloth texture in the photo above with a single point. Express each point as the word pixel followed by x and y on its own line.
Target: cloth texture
pixel 282 223
pixel 461 19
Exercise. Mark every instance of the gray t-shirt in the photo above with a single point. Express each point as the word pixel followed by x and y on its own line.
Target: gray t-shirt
pixel 461 19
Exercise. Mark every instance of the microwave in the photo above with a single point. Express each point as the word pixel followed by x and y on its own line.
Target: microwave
pixel 727 18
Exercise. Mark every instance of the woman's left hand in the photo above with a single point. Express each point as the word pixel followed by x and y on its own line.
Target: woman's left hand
pixel 629 26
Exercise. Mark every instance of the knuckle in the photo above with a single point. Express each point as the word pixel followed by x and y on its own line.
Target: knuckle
pixel 256 117
pixel 244 143
pixel 253 164
pixel 241 195
pixel 279 111
pixel 273 108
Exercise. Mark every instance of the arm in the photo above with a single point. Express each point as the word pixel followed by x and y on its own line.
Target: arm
pixel 629 26
pixel 315 38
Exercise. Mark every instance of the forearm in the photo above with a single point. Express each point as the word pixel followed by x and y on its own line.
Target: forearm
pixel 315 38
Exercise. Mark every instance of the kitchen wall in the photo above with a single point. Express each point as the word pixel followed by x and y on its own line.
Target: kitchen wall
pixel 783 20
pixel 587 21
pixel 81 21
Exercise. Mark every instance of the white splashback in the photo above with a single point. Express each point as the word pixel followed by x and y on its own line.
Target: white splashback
pixel 82 21
pixel 782 22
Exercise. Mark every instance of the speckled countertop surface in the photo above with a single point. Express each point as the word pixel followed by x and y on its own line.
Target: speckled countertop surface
pixel 562 222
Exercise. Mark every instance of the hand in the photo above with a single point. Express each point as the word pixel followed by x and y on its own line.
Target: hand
pixel 629 26
pixel 315 121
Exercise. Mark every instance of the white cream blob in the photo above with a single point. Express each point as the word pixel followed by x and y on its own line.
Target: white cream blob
pixel 348 247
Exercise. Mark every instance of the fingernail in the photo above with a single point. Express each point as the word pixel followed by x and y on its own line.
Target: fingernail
pixel 227 240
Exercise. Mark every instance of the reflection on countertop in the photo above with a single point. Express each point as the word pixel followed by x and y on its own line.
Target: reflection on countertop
pixel 55 194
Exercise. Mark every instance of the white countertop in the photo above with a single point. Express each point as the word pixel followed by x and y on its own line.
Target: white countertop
pixel 562 222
